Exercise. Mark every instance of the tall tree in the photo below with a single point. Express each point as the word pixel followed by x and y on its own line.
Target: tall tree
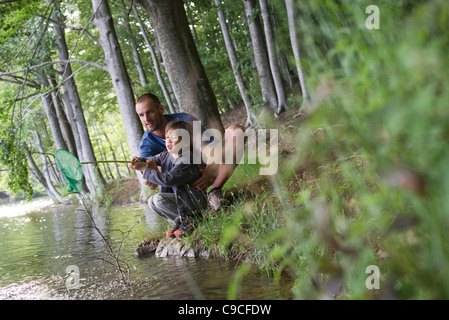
pixel 261 55
pixel 272 56
pixel 136 56
pixel 291 14
pixel 234 63
pixel 117 70
pixel 156 66
pixel 64 125
pixel 184 68
pixel 50 111
pixel 122 84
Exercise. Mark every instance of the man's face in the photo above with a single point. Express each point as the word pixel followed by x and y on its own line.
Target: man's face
pixel 150 114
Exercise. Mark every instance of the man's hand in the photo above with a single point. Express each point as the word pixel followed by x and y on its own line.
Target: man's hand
pixel 151 164
pixel 205 181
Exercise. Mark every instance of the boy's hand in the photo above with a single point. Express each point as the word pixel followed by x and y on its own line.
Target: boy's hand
pixel 140 165
pixel 134 165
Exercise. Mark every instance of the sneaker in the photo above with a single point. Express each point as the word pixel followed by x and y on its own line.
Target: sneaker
pixel 171 233
pixel 184 229
pixel 216 199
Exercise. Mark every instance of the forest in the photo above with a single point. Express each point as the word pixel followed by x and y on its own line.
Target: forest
pixel 357 90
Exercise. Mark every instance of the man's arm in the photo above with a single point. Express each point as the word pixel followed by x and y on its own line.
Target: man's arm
pixel 207 177
pixel 209 173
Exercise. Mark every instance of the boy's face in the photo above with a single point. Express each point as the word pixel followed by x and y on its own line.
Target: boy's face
pixel 172 138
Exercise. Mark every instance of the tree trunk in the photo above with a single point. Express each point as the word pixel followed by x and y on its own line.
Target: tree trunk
pixel 64 125
pixel 124 156
pixel 117 170
pixel 291 14
pixel 94 179
pixel 136 56
pixel 272 56
pixel 234 63
pixel 120 79
pixel 157 69
pixel 50 111
pixel 184 68
pixel 261 56
pixel 37 173
pixel 102 152
pixel 117 70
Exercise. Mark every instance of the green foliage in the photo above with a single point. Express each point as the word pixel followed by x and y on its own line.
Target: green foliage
pixel 378 153
pixel 13 13
pixel 21 31
pixel 13 158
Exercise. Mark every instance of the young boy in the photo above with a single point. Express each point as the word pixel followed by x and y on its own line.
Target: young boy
pixel 179 173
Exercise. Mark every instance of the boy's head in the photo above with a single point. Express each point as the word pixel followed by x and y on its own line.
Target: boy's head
pixel 178 136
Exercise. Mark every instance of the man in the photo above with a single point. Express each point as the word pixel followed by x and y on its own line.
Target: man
pixel 215 175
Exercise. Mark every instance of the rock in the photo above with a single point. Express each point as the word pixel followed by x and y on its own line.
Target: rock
pixel 146 247
pixel 170 247
pixel 204 253
pixel 173 247
pixel 140 251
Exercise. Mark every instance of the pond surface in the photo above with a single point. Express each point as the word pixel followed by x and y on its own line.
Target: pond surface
pixel 40 242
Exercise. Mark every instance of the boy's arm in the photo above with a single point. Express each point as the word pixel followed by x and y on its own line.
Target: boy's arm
pixel 150 164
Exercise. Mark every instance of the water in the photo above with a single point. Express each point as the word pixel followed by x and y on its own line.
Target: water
pixel 40 242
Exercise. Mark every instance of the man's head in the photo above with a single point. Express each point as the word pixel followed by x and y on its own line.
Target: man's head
pixel 151 112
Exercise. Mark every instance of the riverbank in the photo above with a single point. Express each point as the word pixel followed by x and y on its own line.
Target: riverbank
pixel 254 210
pixel 235 233
pixel 7 197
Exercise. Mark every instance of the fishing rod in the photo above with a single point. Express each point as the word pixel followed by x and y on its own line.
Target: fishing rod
pixel 109 161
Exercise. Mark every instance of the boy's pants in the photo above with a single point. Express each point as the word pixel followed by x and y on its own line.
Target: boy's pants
pixel 164 204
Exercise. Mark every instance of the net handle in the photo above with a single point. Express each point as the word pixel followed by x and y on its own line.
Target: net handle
pixel 108 161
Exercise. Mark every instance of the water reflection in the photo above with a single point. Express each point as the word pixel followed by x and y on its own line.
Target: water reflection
pixel 37 246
